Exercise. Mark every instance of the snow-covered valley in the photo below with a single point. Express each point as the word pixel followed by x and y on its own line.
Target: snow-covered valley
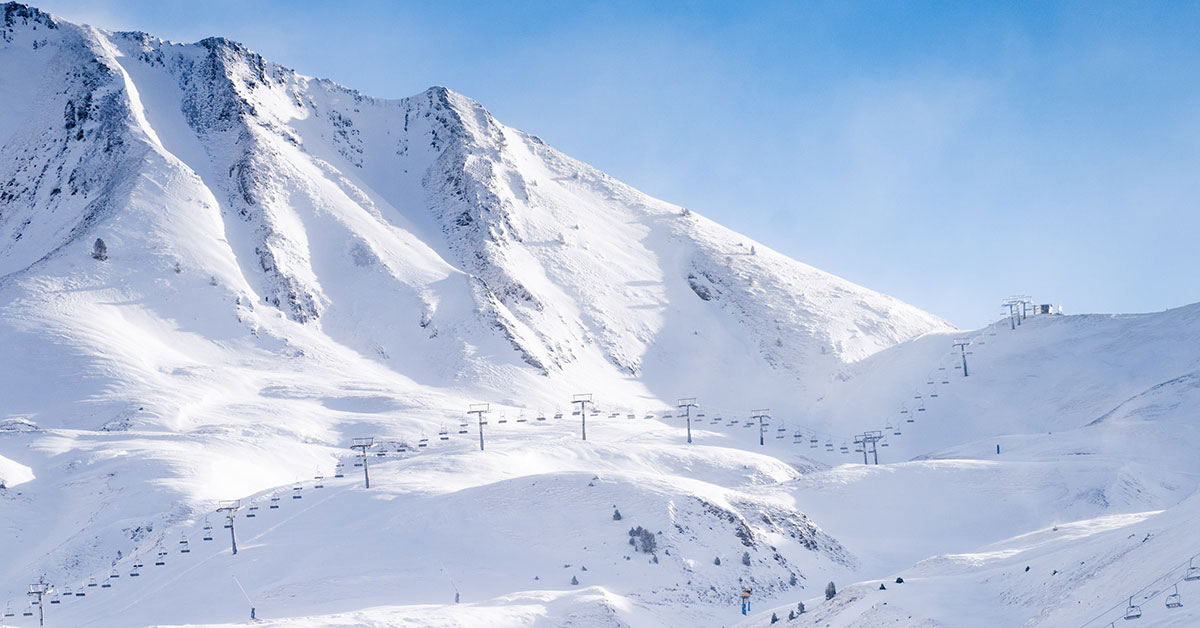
pixel 288 265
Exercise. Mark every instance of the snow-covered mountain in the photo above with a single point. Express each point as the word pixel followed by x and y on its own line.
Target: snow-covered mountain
pixel 288 264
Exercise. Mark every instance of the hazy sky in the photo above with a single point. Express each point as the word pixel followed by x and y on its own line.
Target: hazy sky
pixel 949 154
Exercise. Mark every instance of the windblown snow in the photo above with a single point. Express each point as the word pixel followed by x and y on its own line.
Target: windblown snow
pixel 216 273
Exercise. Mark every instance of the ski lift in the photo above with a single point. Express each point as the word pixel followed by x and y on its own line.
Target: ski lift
pixel 92 583
pixel 107 584
pixel 383 452
pixel 158 562
pixel 1173 600
pixel 933 393
pixel 748 424
pixel 541 417
pixel 503 419
pixel 631 416
pixel 462 430
pixel 1193 573
pixel 184 548
pixel 424 442
pixel 133 573
pixel 903 409
pixel 28 612
pixel 54 599
pixel 251 512
pixel 945 381
pixel 797 438
pixel 296 491
pixel 67 593
pixel 443 434
pixel 1133 611
pixel 339 470
pixel 858 449
pixel 357 463
pixel 80 593
pixel 845 448
pixel 648 416
pixel 595 412
pixel 921 408
pixel 558 415
pixel 8 611
pixel 896 432
pixel 813 442
pixel 930 381
pixel 716 420
pixel 668 416
pixel 274 502
pixel 917 396
pixel 829 445
pixel 522 419
pixel 883 442
pixel 781 429
pixel 320 482
pixel 574 413
pixel 137 563
pixel 615 415
pixel 114 574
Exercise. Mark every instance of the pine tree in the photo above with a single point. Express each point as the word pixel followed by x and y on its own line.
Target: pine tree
pixel 791 615
pixel 774 618
pixel 100 250
pixel 746 558
pixel 830 591
pixel 574 580
pixel 717 561
pixel 616 515
pixel 799 608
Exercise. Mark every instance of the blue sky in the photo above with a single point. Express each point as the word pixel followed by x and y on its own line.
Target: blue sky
pixel 947 153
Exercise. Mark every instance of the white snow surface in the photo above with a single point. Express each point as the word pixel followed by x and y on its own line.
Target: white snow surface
pixel 292 264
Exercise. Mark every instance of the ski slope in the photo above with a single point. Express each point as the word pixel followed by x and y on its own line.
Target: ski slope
pixel 292 264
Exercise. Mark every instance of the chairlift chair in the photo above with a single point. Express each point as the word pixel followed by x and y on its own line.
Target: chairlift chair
pixel 107 584
pixel 158 562
pixel 917 396
pixel 1193 573
pixel 930 381
pixel 383 453
pixel 575 413
pixel 668 416
pixel 251 513
pixel 443 434
pixel 114 574
pixel 274 503
pixel 716 420
pixel 80 593
pixel 616 414
pixel 54 599
pixel 1133 611
pixel 67 593
pixel 185 548
pixel 883 443
pixel 92 583
pixel 522 419
pixel 631 416
pixel 8 611
pixel 921 408
pixel 296 491
pixel 339 470
pixel 845 448
pixel 503 419
pixel 648 417
pixel 28 612
pixel 813 442
pixel 896 432
pixel 133 573
pixel 1174 600
pixel 945 381
pixel 319 483
pixel 207 533
pixel 558 415
pixel 541 417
